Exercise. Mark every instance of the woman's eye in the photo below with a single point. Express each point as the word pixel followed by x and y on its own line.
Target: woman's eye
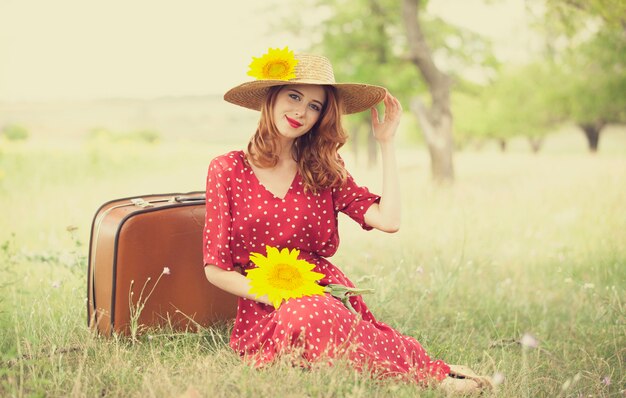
pixel 294 96
pixel 315 107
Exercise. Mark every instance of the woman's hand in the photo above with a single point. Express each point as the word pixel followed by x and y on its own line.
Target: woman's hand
pixel 385 131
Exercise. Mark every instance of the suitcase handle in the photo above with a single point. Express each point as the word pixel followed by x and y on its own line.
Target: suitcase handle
pixel 181 199
pixel 140 202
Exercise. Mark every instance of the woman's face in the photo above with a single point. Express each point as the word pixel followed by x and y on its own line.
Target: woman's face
pixel 297 109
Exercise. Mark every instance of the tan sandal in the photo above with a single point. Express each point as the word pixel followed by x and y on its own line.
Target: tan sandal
pixel 464 380
pixel 454 386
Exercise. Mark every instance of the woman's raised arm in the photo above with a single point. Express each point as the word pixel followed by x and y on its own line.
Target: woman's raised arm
pixel 385 216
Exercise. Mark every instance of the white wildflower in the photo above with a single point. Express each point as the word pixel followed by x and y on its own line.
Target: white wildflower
pixel 497 378
pixel 529 341
pixel 166 270
pixel 566 385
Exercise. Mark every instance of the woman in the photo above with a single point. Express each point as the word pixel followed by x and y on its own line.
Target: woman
pixel 285 191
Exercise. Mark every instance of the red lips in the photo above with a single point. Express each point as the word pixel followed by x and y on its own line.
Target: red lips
pixel 293 123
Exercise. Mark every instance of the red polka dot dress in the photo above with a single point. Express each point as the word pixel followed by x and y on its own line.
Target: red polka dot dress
pixel 242 216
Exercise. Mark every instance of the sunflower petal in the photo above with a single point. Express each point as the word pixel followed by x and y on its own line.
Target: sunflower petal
pixel 258 259
pixel 271 252
pixel 295 253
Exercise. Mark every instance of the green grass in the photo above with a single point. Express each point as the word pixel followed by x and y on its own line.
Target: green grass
pixel 521 243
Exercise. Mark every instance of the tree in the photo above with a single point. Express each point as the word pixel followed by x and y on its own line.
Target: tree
pixel 435 121
pixel 597 96
pixel 521 101
pixel 367 41
pixel 593 69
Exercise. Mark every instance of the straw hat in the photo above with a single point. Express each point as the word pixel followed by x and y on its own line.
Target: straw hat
pixel 310 69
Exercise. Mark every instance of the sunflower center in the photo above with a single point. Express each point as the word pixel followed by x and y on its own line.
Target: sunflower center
pixel 276 69
pixel 285 276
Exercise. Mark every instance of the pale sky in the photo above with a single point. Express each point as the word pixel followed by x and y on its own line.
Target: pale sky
pixel 77 49
pixel 505 22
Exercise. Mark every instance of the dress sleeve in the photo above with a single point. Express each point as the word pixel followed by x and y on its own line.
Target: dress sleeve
pixel 354 201
pixel 217 225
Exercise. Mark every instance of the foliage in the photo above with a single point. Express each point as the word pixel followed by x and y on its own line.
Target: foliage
pixel 521 101
pixel 15 132
pixel 581 77
pixel 366 42
pixel 592 80
pixel 571 12
pixel 591 60
pixel 471 122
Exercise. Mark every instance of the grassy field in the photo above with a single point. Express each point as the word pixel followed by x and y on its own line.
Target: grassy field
pixel 521 244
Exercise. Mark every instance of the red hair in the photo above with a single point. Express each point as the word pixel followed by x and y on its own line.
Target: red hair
pixel 315 152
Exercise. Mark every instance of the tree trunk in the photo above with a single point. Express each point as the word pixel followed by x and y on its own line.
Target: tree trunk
pixel 439 145
pixel 592 132
pixel 502 145
pixel 535 143
pixel 435 121
pixel 377 23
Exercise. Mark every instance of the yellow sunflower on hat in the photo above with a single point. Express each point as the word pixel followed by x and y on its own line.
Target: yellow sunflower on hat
pixel 281 275
pixel 276 64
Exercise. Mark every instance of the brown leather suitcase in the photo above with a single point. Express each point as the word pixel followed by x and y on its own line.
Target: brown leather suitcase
pixel 138 241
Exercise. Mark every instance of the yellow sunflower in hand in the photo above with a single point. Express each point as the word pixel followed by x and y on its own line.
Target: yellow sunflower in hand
pixel 276 64
pixel 282 276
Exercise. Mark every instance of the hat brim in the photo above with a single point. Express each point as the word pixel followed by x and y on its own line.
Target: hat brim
pixel 355 97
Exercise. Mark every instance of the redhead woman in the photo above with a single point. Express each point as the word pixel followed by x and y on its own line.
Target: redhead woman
pixel 283 195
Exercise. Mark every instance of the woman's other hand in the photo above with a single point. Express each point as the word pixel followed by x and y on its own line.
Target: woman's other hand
pixel 385 130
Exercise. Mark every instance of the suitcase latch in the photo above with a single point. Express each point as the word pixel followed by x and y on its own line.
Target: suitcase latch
pixel 139 202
